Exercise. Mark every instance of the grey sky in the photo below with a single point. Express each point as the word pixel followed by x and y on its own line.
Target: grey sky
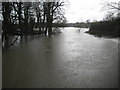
pixel 81 10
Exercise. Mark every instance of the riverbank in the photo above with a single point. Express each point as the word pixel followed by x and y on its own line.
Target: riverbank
pixel 105 28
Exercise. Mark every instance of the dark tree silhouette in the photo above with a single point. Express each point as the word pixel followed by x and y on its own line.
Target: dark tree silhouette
pixel 22 18
pixel 6 9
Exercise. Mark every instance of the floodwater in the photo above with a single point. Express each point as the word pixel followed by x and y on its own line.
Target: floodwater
pixel 72 59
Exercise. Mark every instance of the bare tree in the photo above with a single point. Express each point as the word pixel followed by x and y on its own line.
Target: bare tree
pixel 112 8
pixel 6 9
pixel 51 8
pixel 21 17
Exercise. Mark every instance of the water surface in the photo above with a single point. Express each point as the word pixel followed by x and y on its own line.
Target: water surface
pixel 72 59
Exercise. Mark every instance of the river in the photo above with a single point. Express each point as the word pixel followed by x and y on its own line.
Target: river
pixel 72 59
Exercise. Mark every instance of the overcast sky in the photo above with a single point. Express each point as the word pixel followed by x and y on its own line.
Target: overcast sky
pixel 81 10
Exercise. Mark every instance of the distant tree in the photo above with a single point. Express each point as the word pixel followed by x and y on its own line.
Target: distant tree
pixel 87 21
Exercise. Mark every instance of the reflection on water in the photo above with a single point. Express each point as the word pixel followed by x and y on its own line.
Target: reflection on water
pixel 16 40
pixel 67 60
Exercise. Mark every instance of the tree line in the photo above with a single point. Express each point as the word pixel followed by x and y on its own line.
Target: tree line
pixel 22 17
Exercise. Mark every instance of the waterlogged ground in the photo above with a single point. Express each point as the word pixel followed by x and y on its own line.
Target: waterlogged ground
pixel 71 59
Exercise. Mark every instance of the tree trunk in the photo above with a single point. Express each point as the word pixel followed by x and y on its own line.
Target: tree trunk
pixel 6 22
pixel 49 19
pixel 26 30
pixel 20 18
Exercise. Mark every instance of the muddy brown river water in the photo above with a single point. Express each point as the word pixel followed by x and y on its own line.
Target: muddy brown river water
pixel 71 59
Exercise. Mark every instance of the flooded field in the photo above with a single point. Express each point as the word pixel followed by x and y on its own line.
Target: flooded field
pixel 72 59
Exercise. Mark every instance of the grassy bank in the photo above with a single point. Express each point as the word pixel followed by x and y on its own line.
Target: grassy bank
pixel 106 28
